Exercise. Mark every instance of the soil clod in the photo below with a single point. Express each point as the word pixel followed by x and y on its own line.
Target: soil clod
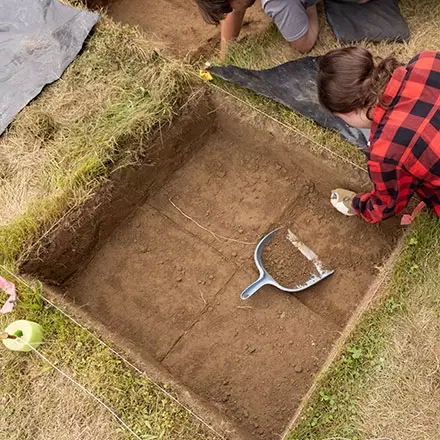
pixel 285 263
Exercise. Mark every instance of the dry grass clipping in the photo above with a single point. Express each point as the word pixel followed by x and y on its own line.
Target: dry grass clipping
pixel 50 408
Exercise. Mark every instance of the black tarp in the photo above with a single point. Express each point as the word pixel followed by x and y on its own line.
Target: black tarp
pixel 377 20
pixel 293 84
pixel 38 40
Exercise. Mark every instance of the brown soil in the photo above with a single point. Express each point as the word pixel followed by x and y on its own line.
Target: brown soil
pixel 285 263
pixel 176 23
pixel 170 288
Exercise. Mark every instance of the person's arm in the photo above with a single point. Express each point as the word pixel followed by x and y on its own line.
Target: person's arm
pixel 308 40
pixel 230 28
pixel 393 188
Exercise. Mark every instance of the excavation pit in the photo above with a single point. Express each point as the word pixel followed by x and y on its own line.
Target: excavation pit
pixel 160 256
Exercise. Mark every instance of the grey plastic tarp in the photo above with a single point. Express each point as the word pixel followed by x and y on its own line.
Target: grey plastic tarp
pixel 293 84
pixel 377 20
pixel 38 40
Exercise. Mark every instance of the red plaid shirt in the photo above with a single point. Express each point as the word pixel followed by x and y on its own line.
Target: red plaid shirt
pixel 404 153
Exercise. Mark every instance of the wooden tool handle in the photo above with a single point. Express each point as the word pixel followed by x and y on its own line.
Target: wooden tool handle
pixel 5 335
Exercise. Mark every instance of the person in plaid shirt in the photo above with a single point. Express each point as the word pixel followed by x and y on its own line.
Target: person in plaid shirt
pixel 401 105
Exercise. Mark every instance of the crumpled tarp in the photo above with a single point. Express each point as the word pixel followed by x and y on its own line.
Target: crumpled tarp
pixel 38 40
pixel 293 84
pixel 377 20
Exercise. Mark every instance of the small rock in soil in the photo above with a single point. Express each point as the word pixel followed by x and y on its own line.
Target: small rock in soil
pixel 298 369
pixel 179 279
pixel 234 254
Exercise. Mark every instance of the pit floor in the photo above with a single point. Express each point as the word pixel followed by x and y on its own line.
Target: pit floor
pixel 171 288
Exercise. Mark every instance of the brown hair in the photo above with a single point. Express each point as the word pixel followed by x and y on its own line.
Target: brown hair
pixel 352 78
pixel 213 11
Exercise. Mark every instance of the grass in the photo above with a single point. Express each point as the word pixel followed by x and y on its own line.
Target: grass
pixel 402 400
pixel 63 145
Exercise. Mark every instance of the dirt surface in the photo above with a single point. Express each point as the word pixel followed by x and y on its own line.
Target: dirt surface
pixel 177 23
pixel 285 263
pixel 168 280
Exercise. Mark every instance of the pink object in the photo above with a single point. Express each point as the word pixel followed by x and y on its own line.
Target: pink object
pixel 407 219
pixel 9 288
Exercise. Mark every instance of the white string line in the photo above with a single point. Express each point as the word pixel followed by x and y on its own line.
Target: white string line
pixel 82 387
pixel 126 361
pixel 214 234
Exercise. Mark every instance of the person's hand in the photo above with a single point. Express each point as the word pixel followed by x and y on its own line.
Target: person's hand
pixel 342 200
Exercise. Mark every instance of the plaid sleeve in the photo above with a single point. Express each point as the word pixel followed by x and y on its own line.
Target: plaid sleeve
pixel 393 188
